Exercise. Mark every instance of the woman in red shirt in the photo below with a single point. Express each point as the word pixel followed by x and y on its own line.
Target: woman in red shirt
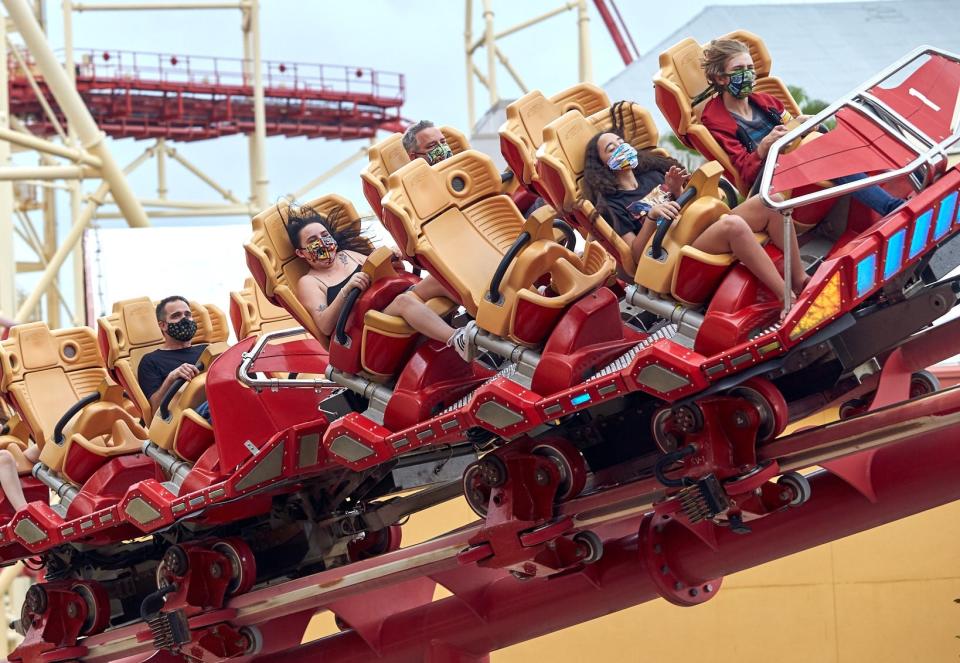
pixel 746 123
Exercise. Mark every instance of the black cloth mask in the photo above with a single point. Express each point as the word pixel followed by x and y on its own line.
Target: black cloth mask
pixel 182 330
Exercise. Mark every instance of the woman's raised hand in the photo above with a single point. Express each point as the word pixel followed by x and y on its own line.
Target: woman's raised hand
pixel 675 180
pixel 358 280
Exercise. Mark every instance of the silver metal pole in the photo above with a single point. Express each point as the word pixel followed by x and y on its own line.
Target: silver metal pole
pixel 787 262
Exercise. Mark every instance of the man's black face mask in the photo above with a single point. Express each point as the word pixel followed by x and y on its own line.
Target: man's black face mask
pixel 182 330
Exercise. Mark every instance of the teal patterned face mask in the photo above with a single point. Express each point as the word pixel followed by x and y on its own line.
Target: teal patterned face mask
pixel 623 158
pixel 741 83
pixel 438 153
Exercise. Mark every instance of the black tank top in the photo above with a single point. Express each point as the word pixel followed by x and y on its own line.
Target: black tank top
pixel 334 290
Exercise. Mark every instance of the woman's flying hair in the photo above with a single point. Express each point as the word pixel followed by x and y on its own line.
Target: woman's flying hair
pixel 348 232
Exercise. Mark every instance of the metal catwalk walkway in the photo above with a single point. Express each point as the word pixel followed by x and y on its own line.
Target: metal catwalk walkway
pixel 185 98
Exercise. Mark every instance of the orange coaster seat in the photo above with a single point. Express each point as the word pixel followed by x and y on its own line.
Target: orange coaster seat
pixel 681 80
pixel 48 375
pixel 682 272
pixel 252 314
pixel 131 331
pixel 277 270
pixel 389 156
pixel 522 133
pixel 560 164
pixel 452 220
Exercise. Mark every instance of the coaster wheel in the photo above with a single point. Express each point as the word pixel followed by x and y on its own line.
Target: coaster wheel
pixel 660 427
pixel 923 383
pixel 475 490
pixel 770 404
pixel 570 463
pixel 493 471
pixel 592 543
pixel 375 543
pixel 853 407
pixel 98 606
pixel 174 562
pixel 34 605
pixel 799 485
pixel 243 565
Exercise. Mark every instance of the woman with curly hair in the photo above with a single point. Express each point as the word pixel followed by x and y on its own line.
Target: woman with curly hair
pixel 335 249
pixel 634 190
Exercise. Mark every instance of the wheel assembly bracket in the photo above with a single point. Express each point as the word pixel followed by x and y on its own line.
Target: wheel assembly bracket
pixel 669 583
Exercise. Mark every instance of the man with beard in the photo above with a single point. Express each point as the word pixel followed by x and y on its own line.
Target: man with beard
pixel 176 358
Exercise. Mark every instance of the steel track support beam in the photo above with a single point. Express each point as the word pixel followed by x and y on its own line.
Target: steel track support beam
pixel 76 112
pixel 908 478
pixel 8 279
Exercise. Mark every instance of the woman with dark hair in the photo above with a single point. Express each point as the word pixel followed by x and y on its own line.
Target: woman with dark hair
pixel 634 190
pixel 336 248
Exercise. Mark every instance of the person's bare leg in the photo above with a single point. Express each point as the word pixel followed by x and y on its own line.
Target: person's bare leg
pixel 731 234
pixel 410 306
pixel 10 480
pixel 761 218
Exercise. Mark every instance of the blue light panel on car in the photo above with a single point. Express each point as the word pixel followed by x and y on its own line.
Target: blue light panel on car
pixel 580 400
pixel 945 216
pixel 893 257
pixel 921 230
pixel 866 274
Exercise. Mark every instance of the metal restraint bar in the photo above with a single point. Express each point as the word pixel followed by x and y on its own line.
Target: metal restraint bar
pixel 888 119
pixel 251 379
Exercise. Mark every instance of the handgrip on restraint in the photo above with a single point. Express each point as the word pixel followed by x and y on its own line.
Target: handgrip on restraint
pixel 340 332
pixel 174 388
pixel 663 224
pixel 570 239
pixel 508 258
pixel 69 414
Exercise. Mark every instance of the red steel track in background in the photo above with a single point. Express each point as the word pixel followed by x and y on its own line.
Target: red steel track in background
pixel 186 98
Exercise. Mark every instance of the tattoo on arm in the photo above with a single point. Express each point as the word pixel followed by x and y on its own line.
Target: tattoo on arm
pixel 321 308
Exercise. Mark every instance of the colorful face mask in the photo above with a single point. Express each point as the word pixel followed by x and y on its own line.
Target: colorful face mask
pixel 741 83
pixel 182 330
pixel 623 158
pixel 322 249
pixel 438 153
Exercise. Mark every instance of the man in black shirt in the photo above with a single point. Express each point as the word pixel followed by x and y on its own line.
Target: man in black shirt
pixel 176 358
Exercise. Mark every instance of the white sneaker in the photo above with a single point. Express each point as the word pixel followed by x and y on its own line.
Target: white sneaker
pixel 460 341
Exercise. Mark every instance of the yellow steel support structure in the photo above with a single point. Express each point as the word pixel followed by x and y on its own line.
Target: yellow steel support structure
pixel 488 41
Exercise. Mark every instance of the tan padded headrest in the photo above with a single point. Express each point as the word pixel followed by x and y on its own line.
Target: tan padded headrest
pixel 392 155
pixel 457 181
pixel 684 59
pixel 140 322
pixel 38 347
